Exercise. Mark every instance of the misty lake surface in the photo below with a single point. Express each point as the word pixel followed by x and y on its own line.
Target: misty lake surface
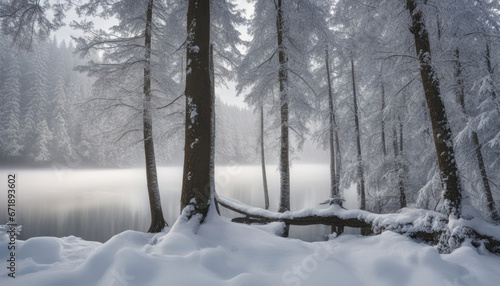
pixel 96 204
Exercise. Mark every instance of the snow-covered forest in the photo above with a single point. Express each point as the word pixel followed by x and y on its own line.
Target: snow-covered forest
pixel 400 99
pixel 60 108
pixel 53 115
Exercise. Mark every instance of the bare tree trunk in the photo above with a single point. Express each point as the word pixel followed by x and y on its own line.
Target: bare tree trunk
pixel 361 178
pixel 333 139
pixel 439 29
pixel 283 82
pixel 212 121
pixel 157 220
pixel 212 136
pixel 400 136
pixel 398 153
pixel 476 144
pixel 334 188
pixel 402 189
pixel 484 176
pixel 490 68
pixel 284 146
pixel 196 177
pixel 443 139
pixel 338 157
pixel 263 159
pixel 382 121
pixel 395 141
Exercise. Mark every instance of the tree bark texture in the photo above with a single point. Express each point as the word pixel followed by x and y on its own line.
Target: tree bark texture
pixel 334 186
pixel 333 139
pixel 157 220
pixel 401 168
pixel 284 146
pixel 212 121
pixel 196 177
pixel 398 154
pixel 361 177
pixel 213 124
pixel 283 83
pixel 443 140
pixel 382 121
pixel 263 158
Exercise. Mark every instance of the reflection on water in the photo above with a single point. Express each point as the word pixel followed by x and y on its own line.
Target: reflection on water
pixel 97 204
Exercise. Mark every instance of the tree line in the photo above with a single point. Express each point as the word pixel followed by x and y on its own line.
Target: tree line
pixel 74 134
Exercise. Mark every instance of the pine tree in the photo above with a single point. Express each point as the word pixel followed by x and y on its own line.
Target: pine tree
pixel 27 22
pixel 62 149
pixel 134 63
pixel 43 136
pixel 12 133
pixel 37 108
pixel 277 62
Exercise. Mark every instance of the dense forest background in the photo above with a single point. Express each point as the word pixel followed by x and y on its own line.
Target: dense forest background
pixel 52 117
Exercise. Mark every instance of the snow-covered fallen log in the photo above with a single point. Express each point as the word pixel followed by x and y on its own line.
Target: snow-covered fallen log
pixel 407 220
pixel 426 225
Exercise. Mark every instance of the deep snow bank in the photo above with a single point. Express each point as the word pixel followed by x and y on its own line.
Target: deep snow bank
pixel 219 252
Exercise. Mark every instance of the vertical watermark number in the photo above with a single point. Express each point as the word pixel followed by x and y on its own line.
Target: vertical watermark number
pixel 12 227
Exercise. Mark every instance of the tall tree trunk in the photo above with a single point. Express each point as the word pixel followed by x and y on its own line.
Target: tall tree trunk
pixel 398 156
pixel 484 176
pixel 212 121
pixel 443 140
pixel 283 82
pixel 333 139
pixel 476 144
pixel 361 177
pixel 338 158
pixel 157 220
pixel 395 141
pixel 438 24
pixel 196 177
pixel 284 146
pixel 334 187
pixel 382 121
pixel 263 158
pixel 400 136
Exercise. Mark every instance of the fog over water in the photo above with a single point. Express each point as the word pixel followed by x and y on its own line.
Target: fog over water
pixel 96 204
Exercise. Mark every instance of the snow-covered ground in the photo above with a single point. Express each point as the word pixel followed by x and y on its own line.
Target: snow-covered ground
pixel 219 252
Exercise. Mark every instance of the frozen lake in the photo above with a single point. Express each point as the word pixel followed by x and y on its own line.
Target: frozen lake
pixel 96 204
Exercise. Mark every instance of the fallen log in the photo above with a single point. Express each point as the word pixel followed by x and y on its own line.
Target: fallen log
pixel 424 225
pixel 304 217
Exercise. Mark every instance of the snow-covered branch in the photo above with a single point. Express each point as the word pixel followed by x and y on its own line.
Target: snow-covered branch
pixel 425 225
